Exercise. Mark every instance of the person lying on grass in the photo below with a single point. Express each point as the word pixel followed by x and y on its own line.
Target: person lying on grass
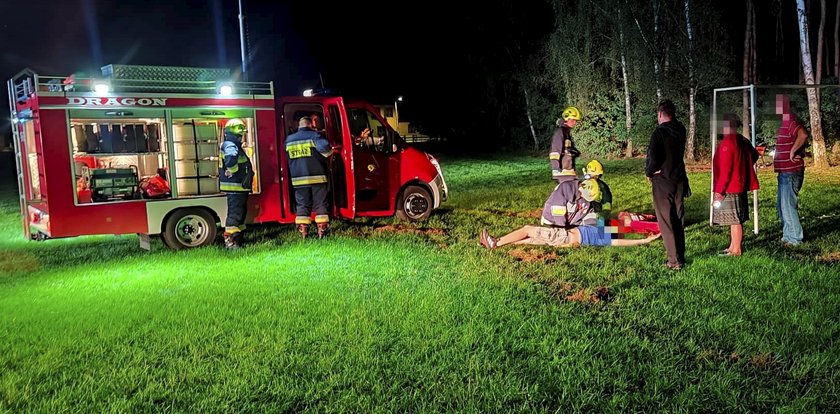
pixel 562 237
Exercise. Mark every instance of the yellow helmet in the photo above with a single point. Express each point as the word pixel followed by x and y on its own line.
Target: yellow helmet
pixel 236 126
pixel 571 113
pixel 590 190
pixel 593 168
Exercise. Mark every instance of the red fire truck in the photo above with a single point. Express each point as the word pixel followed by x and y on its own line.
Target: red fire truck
pixel 137 151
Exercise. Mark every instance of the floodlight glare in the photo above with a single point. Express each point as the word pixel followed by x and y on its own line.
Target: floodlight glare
pixel 226 90
pixel 307 92
pixel 101 88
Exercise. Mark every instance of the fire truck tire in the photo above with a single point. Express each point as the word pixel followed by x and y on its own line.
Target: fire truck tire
pixel 414 204
pixel 189 227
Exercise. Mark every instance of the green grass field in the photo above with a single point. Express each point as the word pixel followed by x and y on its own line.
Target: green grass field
pixel 394 317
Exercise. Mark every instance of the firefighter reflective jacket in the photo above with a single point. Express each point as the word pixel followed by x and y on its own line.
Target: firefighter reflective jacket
pixel 307 151
pixel 563 154
pixel 566 208
pixel 233 159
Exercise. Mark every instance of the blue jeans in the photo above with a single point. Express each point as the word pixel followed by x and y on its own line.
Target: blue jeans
pixel 787 204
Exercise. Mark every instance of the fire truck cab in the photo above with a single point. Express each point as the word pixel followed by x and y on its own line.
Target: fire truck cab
pixel 136 150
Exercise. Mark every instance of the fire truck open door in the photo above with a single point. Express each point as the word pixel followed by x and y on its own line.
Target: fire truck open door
pixel 342 182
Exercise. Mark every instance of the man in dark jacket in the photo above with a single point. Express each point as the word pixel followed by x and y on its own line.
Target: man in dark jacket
pixel 307 151
pixel 235 180
pixel 665 170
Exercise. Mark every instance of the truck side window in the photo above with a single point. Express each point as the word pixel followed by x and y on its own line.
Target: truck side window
pixel 368 132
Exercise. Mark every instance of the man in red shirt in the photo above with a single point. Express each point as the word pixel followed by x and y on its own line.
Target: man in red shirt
pixel 790 170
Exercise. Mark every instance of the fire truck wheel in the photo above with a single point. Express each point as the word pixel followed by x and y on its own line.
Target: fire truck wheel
pixel 414 204
pixel 189 227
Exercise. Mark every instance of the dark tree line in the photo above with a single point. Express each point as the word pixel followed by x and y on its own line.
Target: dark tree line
pixel 615 59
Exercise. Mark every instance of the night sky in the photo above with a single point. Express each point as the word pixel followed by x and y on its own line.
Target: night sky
pixel 426 51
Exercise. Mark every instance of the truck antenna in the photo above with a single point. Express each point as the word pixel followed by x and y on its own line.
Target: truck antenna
pixel 322 80
pixel 242 43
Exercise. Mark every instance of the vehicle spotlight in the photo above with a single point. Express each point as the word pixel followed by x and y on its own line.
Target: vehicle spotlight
pixel 308 92
pixel 101 88
pixel 226 90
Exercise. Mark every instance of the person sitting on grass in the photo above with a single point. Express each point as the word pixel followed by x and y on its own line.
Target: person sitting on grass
pixel 561 237
pixel 595 170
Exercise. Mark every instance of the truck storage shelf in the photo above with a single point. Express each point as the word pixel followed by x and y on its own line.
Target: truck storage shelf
pixel 193 177
pixel 112 154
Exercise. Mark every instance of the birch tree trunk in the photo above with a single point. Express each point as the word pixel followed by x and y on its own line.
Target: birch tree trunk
pixel 628 121
pixel 692 88
pixel 530 120
pixel 820 160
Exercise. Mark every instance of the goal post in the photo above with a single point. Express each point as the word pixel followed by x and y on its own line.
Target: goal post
pixel 755 105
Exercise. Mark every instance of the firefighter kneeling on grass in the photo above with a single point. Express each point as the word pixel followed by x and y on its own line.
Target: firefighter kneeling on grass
pixel 308 151
pixel 235 179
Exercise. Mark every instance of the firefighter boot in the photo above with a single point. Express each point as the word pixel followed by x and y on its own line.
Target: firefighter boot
pixel 230 241
pixel 239 239
pixel 322 229
pixel 303 229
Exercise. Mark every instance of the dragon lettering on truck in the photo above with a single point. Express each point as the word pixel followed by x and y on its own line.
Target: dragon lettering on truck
pixel 78 100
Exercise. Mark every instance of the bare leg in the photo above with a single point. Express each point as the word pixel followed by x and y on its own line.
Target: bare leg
pixel 514 236
pixel 736 232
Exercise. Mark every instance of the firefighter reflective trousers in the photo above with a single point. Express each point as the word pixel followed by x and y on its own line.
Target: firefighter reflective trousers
pixel 311 198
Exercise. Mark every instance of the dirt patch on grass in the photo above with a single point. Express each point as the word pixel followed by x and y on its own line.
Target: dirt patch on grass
pixel 830 257
pixel 698 167
pixel 765 360
pixel 11 262
pixel 532 255
pixel 403 229
pixel 600 294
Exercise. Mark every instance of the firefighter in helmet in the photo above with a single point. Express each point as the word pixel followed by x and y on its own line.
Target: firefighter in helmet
pixel 308 152
pixel 563 152
pixel 595 170
pixel 235 179
pixel 571 204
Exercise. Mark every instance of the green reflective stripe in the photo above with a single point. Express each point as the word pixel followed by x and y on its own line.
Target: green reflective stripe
pixel 322 218
pixel 556 173
pixel 303 220
pixel 607 206
pixel 554 155
pixel 233 169
pixel 235 187
pixel 309 179
pixel 558 210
